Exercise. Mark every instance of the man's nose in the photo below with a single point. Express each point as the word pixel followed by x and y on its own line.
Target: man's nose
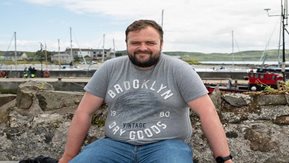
pixel 142 46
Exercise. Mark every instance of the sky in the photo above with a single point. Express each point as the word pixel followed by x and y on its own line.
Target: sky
pixel 206 26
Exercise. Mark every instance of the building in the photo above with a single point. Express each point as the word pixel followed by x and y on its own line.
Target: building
pixel 78 52
pixel 99 54
pixel 62 58
pixel 94 54
pixel 10 56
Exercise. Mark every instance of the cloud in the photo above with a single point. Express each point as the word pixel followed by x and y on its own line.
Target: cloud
pixel 204 25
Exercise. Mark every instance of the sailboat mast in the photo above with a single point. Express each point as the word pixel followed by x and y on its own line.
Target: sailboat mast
pixel 15 49
pixel 45 56
pixel 59 62
pixel 162 20
pixel 284 23
pixel 284 17
pixel 233 48
pixel 113 43
pixel 71 45
pixel 103 48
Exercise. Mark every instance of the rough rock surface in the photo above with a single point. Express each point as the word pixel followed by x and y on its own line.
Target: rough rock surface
pixel 36 122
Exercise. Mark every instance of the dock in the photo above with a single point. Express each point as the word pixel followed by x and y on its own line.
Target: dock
pixel 88 73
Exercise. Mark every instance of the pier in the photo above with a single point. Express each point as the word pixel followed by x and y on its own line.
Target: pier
pixel 238 75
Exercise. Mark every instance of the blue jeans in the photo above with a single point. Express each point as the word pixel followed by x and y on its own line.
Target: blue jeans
pixel 107 150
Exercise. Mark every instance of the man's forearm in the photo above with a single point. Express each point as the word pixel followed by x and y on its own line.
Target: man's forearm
pixel 215 134
pixel 76 135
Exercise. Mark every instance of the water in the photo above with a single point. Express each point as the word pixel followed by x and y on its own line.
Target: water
pixel 240 62
pixel 38 67
pixel 221 68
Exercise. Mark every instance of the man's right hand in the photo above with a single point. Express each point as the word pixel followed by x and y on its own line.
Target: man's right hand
pixel 65 159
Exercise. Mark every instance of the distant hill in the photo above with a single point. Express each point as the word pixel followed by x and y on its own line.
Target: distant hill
pixel 27 52
pixel 250 55
pixel 253 55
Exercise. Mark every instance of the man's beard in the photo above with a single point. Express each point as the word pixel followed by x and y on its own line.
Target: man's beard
pixel 153 60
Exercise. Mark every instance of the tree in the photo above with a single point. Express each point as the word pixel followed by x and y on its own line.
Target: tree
pixel 41 55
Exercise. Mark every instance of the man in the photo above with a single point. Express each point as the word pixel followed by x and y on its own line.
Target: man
pixel 148 96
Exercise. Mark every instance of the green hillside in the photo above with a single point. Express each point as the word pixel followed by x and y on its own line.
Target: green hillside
pixel 254 55
pixel 194 57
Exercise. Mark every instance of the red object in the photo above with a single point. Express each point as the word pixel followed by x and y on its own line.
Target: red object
pixel 263 79
pixel 257 80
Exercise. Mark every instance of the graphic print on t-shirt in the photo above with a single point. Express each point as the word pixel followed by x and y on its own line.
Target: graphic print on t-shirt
pixel 138 114
pixel 136 84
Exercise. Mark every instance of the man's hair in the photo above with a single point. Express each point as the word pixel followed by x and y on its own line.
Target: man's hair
pixel 142 24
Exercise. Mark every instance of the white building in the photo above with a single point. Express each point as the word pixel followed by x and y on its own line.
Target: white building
pixel 62 58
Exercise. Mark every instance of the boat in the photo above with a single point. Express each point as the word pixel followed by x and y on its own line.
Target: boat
pixel 229 86
pixel 256 81
pixel 264 76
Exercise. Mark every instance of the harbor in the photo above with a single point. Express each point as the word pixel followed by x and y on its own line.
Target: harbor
pixel 206 71
pixel 88 73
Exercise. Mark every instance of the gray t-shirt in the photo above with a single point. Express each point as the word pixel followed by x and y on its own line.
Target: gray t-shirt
pixel 146 106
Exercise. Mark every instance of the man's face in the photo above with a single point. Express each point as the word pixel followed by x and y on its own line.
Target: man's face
pixel 144 47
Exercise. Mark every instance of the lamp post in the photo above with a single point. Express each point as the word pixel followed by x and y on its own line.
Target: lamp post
pixel 284 17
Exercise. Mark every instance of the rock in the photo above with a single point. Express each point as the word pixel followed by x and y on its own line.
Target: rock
pixel 279 159
pixel 271 99
pixel 35 86
pixel 237 100
pixel 287 97
pixel 282 120
pixel 216 98
pixel 26 93
pixel 52 100
pixel 259 141
pixel 4 111
pixel 24 100
pixel 36 123
pixel 5 98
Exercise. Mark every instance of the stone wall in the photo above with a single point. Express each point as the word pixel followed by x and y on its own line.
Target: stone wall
pixel 35 121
